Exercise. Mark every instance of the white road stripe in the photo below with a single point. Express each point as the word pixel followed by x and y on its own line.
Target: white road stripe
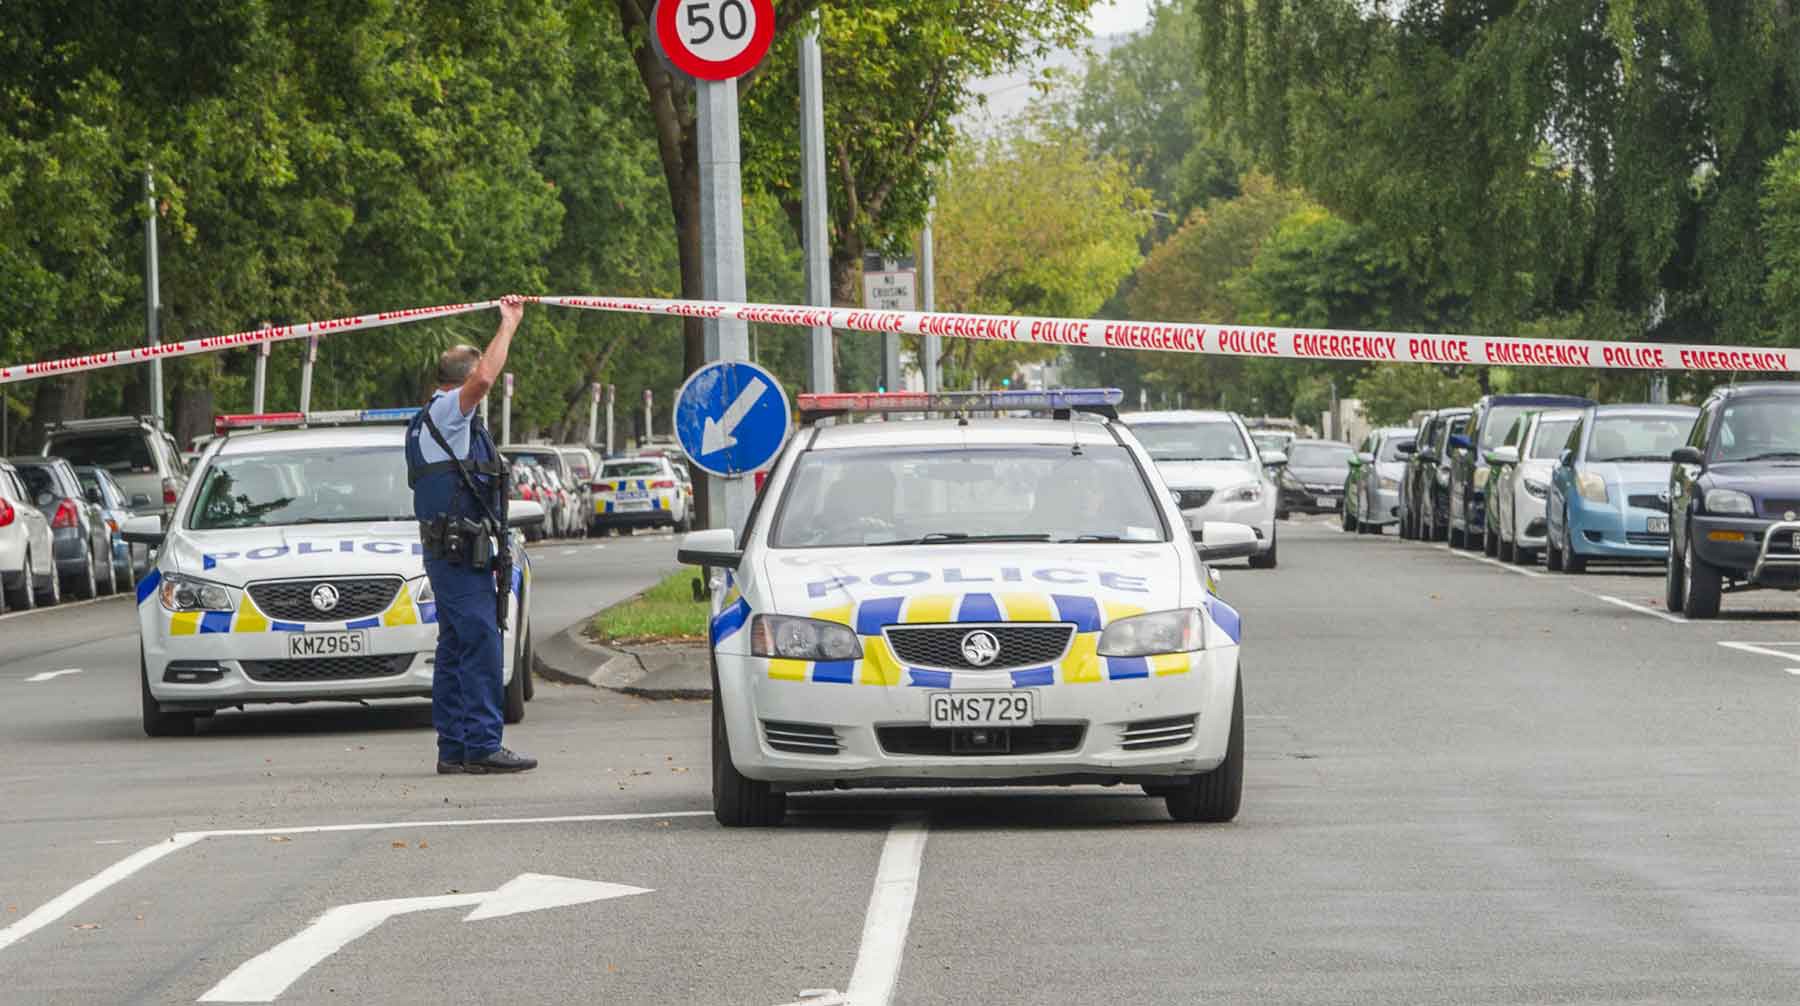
pixel 889 915
pixel 123 593
pixel 1509 567
pixel 47 675
pixel 79 895
pixel 1640 609
pixel 1764 650
pixel 568 551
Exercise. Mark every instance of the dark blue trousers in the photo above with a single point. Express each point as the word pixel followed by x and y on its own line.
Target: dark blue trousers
pixel 467 687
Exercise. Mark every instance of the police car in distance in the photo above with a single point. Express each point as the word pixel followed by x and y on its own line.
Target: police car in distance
pixel 970 601
pixel 291 571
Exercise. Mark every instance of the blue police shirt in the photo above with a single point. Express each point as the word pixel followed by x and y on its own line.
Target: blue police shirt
pixel 446 412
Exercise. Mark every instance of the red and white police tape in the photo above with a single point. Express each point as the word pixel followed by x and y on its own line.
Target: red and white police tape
pixel 1173 337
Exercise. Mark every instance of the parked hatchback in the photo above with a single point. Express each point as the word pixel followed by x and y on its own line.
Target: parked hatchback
pixel 1312 481
pixel 1519 487
pixel 27 554
pixel 81 541
pixel 1372 490
pixel 133 449
pixel 1491 417
pixel 115 509
pixel 1734 498
pixel 1426 485
pixel 1609 491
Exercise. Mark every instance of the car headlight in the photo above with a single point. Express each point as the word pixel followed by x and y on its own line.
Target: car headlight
pixel 185 593
pixel 1539 489
pixel 789 638
pixel 1249 492
pixel 1481 477
pixel 1178 631
pixel 1389 484
pixel 1729 501
pixel 1592 487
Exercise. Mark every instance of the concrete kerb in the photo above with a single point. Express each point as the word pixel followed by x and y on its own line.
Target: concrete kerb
pixel 651 671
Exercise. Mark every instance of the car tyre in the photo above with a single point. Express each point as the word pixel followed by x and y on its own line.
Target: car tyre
pixel 1705 583
pixel 514 709
pixel 50 593
pixel 156 722
pixel 738 802
pixel 1348 521
pixel 1507 551
pixel 1573 562
pixel 1674 582
pixel 1490 543
pixel 24 596
pixel 111 585
pixel 1215 796
pixel 528 660
pixel 1266 560
pixel 87 585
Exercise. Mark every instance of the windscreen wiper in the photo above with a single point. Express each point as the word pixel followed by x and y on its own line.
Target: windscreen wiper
pixel 1089 537
pixel 1775 456
pixel 958 538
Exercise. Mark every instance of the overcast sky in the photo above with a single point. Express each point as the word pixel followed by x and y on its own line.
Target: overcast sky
pixel 1111 17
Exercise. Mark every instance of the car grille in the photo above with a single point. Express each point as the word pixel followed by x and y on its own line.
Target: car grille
pixel 1045 738
pixel 1776 508
pixel 1194 499
pixel 1169 732
pixel 801 738
pixel 1646 502
pixel 386 665
pixel 358 597
pixel 1646 538
pixel 939 647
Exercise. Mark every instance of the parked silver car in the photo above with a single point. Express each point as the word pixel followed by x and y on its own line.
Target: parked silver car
pixel 27 554
pixel 133 449
pixel 1520 483
pixel 79 536
pixel 1372 492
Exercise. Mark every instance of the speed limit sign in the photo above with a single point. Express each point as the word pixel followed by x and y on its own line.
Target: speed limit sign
pixel 715 39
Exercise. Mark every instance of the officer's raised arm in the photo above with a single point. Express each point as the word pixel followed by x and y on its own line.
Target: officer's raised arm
pixel 493 361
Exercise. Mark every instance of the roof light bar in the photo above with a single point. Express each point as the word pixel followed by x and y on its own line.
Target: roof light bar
pixel 334 417
pixel 1054 400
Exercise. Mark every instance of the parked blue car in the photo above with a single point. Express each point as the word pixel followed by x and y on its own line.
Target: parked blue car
pixel 1609 495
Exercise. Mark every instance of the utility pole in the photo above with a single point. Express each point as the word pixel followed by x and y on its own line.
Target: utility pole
pixel 649 422
pixel 816 226
pixel 259 387
pixel 611 394
pixel 722 264
pixel 593 412
pixel 153 295
pixel 930 346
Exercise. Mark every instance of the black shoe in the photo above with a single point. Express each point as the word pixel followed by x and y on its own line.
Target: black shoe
pixel 500 762
pixel 451 768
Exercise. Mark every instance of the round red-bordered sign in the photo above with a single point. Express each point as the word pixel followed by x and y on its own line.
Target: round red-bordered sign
pixel 715 39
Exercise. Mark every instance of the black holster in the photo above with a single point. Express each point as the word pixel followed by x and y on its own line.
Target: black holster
pixel 458 541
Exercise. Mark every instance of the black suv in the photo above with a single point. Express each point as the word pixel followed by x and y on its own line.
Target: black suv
pixel 1734 498
pixel 1492 417
pixel 1425 489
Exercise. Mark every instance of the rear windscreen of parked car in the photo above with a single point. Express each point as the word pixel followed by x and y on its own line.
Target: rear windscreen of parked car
pixel 116 452
pixel 630 469
pixel 1205 441
pixel 1319 456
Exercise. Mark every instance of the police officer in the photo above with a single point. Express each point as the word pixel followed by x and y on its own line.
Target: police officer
pixel 459 498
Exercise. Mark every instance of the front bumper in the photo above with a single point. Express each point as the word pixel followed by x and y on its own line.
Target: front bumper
pixel 1384 508
pixel 1306 499
pixel 1614 531
pixel 1260 515
pixel 1746 559
pixel 856 714
pixel 1528 520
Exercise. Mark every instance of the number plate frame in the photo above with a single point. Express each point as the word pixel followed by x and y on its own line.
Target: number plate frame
pixel 960 710
pixel 314 645
pixel 1327 501
pixel 1657 525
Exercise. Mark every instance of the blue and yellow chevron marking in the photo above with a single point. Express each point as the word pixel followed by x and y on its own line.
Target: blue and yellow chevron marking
pixel 880 666
pixel 248 618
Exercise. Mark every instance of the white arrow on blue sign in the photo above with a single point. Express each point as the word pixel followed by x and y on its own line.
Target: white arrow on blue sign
pixel 731 417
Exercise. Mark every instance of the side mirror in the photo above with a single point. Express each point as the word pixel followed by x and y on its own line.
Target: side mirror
pixel 524 513
pixel 145 530
pixel 1685 455
pixel 713 549
pixel 1503 456
pixel 1566 458
pixel 1275 459
pixel 1406 447
pixel 1175 497
pixel 1364 457
pixel 1221 539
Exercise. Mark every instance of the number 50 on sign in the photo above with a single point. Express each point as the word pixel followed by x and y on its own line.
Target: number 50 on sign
pixel 715 39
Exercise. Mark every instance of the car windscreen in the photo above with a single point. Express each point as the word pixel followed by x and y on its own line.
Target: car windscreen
pixel 1320 456
pixel 1390 449
pixel 323 486
pixel 932 495
pixel 1636 438
pixel 1547 443
pixel 630 469
pixel 1499 420
pixel 123 451
pixel 1760 429
pixel 1215 440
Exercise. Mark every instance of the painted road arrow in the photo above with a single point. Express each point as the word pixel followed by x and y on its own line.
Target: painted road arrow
pixel 266 976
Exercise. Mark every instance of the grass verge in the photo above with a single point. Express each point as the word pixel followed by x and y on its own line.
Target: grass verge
pixel 666 613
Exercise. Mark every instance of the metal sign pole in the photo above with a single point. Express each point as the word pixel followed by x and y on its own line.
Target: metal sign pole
pixel 812 183
pixel 259 387
pixel 611 395
pixel 506 393
pixel 306 372
pixel 931 346
pixel 593 411
pixel 153 295
pixel 722 261
pixel 649 423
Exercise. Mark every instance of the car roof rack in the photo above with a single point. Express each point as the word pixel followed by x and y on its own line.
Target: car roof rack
pixel 295 420
pixel 103 423
pixel 1061 403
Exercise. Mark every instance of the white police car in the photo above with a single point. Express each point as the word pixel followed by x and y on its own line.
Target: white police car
pixel 291 571
pixel 970 602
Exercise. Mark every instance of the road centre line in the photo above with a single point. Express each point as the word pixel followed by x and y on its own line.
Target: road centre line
pixel 124 869
pixel 1764 650
pixel 48 675
pixel 890 913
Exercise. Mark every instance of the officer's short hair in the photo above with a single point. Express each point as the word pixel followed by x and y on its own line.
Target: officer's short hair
pixel 457 363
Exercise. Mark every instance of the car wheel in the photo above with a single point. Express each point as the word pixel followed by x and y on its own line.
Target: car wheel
pixel 156 722
pixel 87 586
pixel 1573 562
pixel 1553 556
pixel 1458 539
pixel 1215 796
pixel 1266 560
pixel 1490 542
pixel 1348 521
pixel 1674 582
pixel 24 596
pixel 1704 585
pixel 738 802
pixel 1506 551
pixel 528 659
pixel 110 585
pixel 51 592
pixel 514 709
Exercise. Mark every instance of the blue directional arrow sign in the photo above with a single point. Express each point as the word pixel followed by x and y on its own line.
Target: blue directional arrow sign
pixel 731 417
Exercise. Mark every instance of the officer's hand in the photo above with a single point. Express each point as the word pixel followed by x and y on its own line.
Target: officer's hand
pixel 512 308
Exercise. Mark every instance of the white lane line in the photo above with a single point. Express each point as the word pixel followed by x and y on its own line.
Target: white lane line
pixel 1640 609
pixel 48 675
pixel 567 551
pixel 1509 567
pixel 1764 650
pixel 890 912
pixel 79 895
pixel 66 605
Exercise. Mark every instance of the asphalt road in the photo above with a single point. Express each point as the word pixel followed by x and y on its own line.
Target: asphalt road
pixel 1465 784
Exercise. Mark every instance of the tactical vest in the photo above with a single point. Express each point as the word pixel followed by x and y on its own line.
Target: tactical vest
pixel 438 489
